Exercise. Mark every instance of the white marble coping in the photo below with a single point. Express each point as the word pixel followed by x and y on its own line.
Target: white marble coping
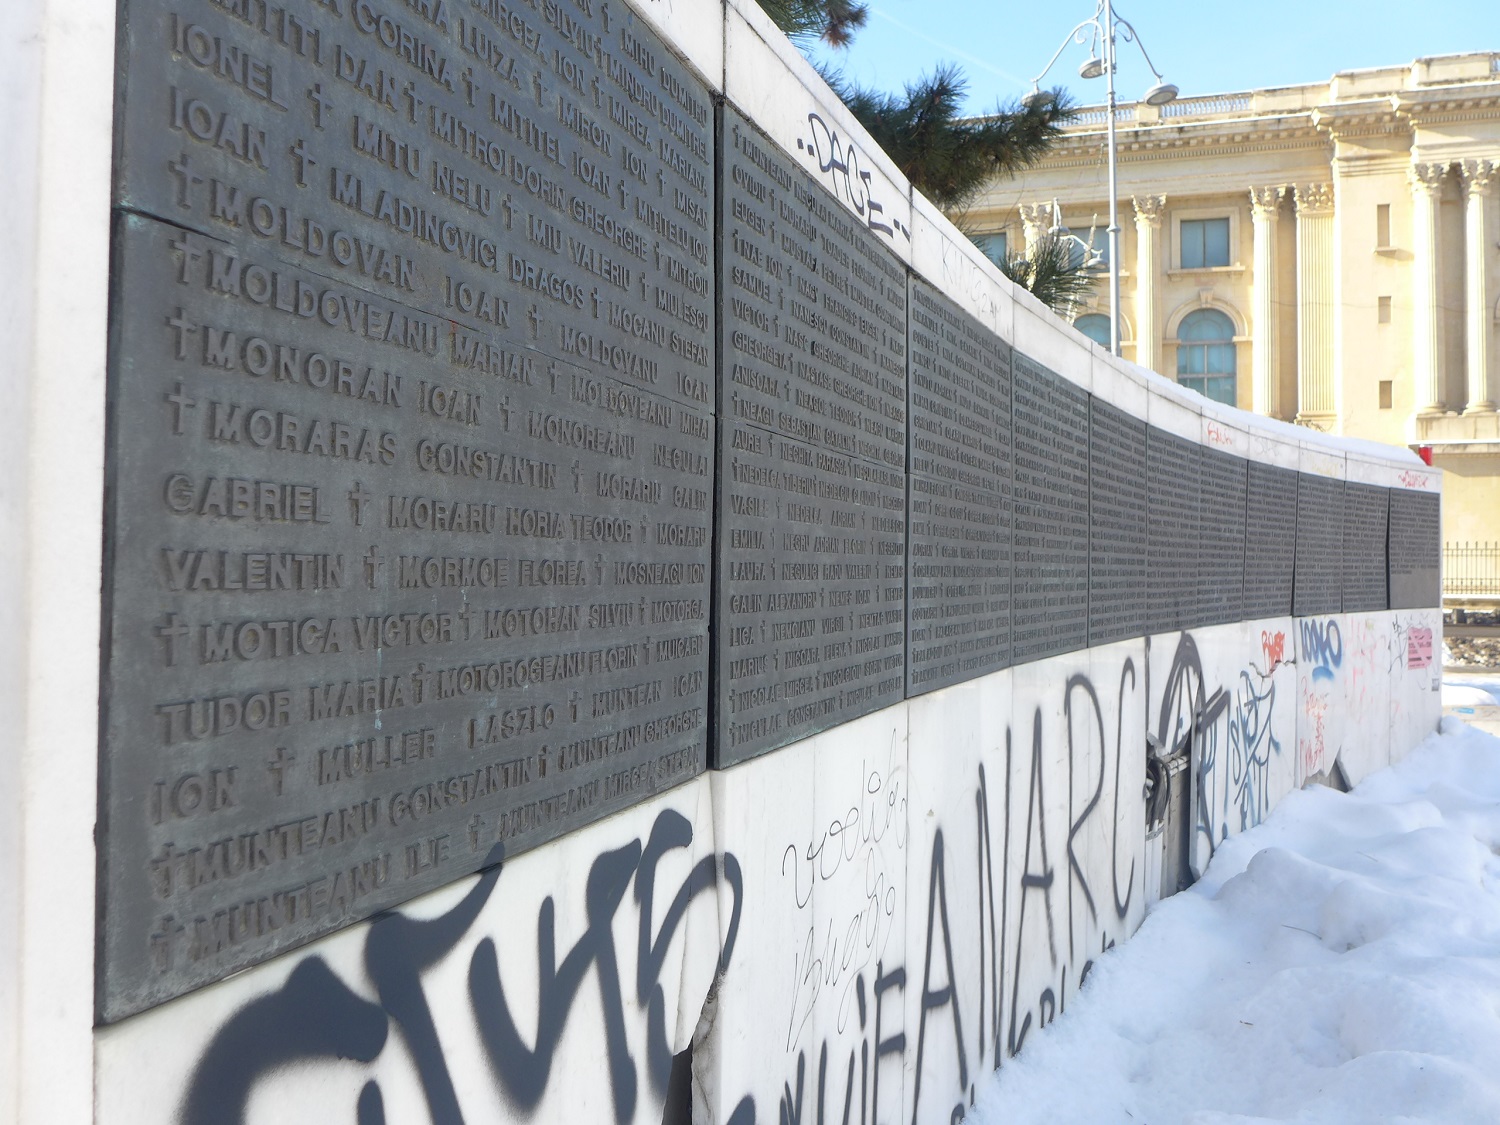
pixel 767 79
pixel 945 257
pixel 1320 461
pixel 693 30
pixel 1174 409
pixel 1119 383
pixel 1042 337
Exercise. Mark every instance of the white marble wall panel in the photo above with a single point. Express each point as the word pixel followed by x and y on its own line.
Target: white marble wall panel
pixel 555 987
pixel 1178 411
pixel 1322 674
pixel 816 986
pixel 1239 681
pixel 1416 664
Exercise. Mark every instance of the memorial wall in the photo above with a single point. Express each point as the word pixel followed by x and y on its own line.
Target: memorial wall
pixel 574 516
pixel 503 428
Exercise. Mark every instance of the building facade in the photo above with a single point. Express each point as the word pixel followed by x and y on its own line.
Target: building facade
pixel 1327 254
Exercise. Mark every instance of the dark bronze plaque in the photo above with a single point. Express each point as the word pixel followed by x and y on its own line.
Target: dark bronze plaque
pixel 1117 524
pixel 1416 551
pixel 1318 579
pixel 1221 558
pixel 1173 531
pixel 1366 512
pixel 814 309
pixel 1050 568
pixel 958 564
pixel 542 170
pixel 810 591
pixel 1270 542
pixel 371 611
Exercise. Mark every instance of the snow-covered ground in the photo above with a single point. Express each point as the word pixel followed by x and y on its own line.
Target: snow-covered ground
pixel 1338 964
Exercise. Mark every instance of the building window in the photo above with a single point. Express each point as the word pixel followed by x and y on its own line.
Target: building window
pixel 1205 354
pixel 1204 243
pixel 1382 226
pixel 1095 326
pixel 1382 310
pixel 994 246
pixel 1385 394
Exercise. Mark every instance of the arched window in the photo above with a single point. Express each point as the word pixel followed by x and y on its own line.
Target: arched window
pixel 1095 326
pixel 1205 354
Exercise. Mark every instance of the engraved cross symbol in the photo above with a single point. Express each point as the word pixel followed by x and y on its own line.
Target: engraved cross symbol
pixel 467 617
pixel 179 402
pixel 577 478
pixel 280 766
pixel 646 651
pixel 536 322
pixel 299 150
pixel 190 254
pixel 539 89
pixel 320 103
pixel 476 826
pixel 373 562
pixel 183 170
pixel 358 498
pixel 183 326
pixel 510 211
pixel 173 632
pixel 552 375
pixel 167 932
pixel 573 703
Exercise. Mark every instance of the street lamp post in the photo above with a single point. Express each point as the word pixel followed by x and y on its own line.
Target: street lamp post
pixel 1105 25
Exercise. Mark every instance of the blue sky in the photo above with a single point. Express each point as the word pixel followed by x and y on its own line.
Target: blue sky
pixel 1204 48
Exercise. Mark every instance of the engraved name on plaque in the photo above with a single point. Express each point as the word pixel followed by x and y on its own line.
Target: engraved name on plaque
pixel 1117 524
pixel 411 461
pixel 959 477
pixel 1221 559
pixel 810 588
pixel 1173 531
pixel 1365 577
pixel 1318 579
pixel 1270 541
pixel 1050 568
pixel 542 170
pixel 1415 549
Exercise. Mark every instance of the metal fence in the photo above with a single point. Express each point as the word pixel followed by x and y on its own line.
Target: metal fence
pixel 1471 570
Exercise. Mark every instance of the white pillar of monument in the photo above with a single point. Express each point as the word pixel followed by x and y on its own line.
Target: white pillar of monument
pixel 1148 214
pixel 1265 203
pixel 1317 400
pixel 1479 178
pixel 1427 317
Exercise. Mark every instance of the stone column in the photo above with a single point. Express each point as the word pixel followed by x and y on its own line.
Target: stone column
pixel 1427 317
pixel 1479 178
pixel 1036 220
pixel 1265 398
pixel 1316 395
pixel 1148 212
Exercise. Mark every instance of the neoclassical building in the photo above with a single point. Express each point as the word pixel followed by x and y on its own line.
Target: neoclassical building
pixel 1327 254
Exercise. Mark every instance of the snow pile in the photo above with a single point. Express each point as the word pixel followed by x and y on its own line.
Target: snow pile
pixel 1471 691
pixel 1338 964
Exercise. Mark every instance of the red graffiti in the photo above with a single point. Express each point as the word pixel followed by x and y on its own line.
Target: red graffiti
pixel 1274 646
pixel 1410 479
pixel 1218 435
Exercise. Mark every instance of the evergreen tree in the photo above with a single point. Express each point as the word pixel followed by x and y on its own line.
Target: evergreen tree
pixel 833 21
pixel 1056 273
pixel 946 156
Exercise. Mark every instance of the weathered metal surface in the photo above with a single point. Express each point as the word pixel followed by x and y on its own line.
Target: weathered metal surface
pixel 958 545
pixel 1416 553
pixel 1366 576
pixel 1318 579
pixel 1117 606
pixel 411 460
pixel 1270 541
pixel 1173 531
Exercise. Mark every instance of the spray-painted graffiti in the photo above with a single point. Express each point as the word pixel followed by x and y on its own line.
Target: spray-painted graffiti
pixel 1322 647
pixel 1320 659
pixel 839 161
pixel 315 1017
